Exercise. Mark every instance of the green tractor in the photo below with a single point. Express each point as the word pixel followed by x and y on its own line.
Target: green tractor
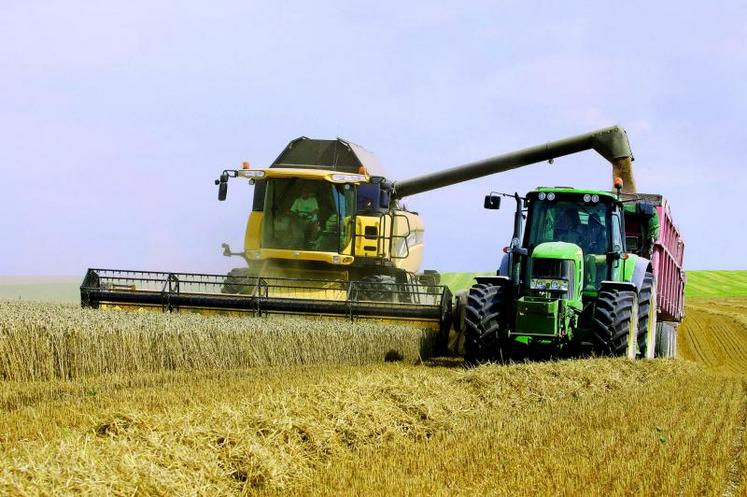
pixel 566 286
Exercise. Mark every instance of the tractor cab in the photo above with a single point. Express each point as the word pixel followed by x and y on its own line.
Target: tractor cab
pixel 579 226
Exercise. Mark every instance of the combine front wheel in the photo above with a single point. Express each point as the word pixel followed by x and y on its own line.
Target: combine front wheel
pixel 378 288
pixel 239 280
pixel 615 323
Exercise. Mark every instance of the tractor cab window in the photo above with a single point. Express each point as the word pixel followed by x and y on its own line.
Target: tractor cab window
pixel 572 220
pixel 304 214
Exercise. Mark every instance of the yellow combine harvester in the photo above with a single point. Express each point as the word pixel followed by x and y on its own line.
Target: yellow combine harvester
pixel 327 236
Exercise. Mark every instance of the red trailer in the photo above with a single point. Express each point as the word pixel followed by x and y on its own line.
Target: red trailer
pixel 650 232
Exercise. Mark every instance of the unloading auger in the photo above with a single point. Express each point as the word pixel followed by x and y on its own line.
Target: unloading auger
pixel 328 236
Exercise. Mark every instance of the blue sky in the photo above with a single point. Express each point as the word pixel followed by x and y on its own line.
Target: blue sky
pixel 115 117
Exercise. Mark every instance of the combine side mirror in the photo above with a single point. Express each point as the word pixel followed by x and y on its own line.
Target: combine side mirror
pixel 222 183
pixel 385 198
pixel 492 202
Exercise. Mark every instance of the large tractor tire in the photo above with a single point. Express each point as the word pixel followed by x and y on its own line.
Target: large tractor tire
pixel 615 323
pixel 666 340
pixel 485 319
pixel 238 281
pixel 647 329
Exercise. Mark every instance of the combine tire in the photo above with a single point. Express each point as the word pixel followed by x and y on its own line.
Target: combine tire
pixel 238 281
pixel 460 308
pixel 615 323
pixel 378 288
pixel 666 340
pixel 486 314
pixel 647 329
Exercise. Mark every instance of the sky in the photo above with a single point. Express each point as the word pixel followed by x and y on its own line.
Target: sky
pixel 116 117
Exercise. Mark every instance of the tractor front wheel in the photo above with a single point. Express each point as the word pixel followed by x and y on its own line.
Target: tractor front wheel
pixel 485 318
pixel 615 323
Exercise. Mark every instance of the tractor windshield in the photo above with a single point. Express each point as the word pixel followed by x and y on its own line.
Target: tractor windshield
pixel 304 214
pixel 570 219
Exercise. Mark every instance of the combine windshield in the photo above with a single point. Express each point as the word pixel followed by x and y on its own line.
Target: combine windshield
pixel 572 220
pixel 307 215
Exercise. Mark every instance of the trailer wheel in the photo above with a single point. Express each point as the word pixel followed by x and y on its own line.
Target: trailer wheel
pixel 485 319
pixel 615 323
pixel 666 340
pixel 647 329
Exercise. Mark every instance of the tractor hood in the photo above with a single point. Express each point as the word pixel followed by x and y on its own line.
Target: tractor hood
pixel 558 250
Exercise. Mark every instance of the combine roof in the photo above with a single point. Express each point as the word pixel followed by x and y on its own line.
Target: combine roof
pixel 331 155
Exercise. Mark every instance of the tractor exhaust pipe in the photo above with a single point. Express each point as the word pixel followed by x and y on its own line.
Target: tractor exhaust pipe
pixel 611 143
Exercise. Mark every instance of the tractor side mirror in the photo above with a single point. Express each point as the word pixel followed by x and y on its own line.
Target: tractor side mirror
pixel 222 183
pixel 492 202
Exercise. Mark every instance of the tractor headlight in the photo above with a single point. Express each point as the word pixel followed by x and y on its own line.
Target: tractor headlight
pixel 551 196
pixel 542 196
pixel 549 284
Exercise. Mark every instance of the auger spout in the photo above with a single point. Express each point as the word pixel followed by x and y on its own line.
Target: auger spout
pixel 611 143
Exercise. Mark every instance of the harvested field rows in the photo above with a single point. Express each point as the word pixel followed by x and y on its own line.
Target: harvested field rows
pixel 715 334
pixel 381 427
pixel 602 427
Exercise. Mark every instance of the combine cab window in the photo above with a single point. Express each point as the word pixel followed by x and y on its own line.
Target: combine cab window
pixel 307 215
pixel 583 223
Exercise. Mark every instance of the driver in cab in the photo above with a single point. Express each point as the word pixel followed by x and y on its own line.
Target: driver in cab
pixel 306 208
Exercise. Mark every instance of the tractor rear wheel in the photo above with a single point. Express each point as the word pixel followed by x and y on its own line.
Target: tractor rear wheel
pixel 647 317
pixel 485 320
pixel 615 323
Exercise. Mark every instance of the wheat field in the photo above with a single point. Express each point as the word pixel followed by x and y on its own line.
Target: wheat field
pixel 126 404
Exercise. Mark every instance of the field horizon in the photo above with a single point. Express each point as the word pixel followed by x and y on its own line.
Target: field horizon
pixel 65 289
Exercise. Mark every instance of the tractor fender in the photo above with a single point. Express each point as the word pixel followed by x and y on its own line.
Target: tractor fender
pixel 492 280
pixel 620 285
pixel 640 267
